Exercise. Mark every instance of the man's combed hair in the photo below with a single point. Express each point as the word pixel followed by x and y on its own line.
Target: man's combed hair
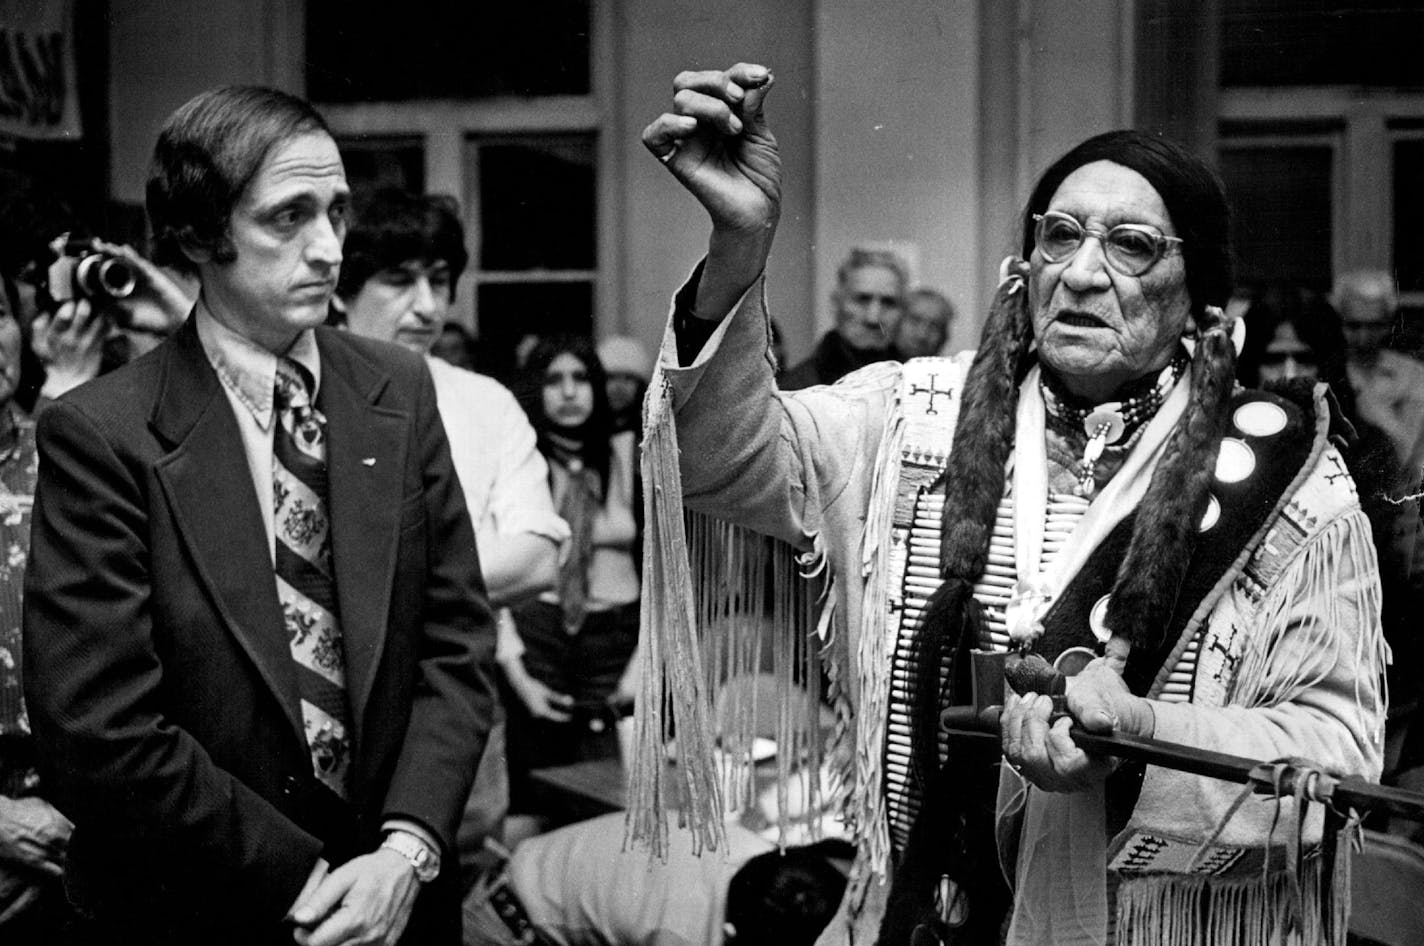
pixel 392 227
pixel 207 153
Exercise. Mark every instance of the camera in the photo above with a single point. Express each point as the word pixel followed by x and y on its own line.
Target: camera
pixel 79 271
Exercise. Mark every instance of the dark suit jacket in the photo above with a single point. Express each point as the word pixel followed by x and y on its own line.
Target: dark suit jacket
pixel 831 360
pixel 157 670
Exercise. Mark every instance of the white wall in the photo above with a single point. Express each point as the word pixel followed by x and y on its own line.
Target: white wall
pixel 666 230
pixel 1052 73
pixel 897 139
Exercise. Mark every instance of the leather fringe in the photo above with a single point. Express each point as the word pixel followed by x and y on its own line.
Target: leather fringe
pixel 726 614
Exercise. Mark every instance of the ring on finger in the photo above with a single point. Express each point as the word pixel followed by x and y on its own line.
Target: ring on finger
pixel 665 158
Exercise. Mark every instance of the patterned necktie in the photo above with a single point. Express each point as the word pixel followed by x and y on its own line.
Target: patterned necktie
pixel 306 584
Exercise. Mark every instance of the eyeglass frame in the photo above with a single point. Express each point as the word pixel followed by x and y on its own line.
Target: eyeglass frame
pixel 1162 243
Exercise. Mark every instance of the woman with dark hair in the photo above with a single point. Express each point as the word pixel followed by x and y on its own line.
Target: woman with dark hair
pixel 1088 493
pixel 1291 333
pixel 569 662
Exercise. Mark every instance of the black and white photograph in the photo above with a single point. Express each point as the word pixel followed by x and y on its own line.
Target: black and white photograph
pixel 681 473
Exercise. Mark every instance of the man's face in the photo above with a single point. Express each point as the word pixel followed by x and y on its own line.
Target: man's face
pixel 286 229
pixel 1368 322
pixel 405 304
pixel 923 328
pixel 1098 329
pixel 868 306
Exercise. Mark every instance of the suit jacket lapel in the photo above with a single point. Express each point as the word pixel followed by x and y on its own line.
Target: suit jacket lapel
pixel 366 459
pixel 209 488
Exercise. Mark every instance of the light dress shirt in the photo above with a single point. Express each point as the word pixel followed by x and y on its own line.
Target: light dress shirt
pixel 248 373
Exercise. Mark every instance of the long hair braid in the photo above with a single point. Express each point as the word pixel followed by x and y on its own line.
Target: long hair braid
pixel 1151 573
pixel 973 484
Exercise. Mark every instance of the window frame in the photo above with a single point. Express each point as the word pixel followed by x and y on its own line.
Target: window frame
pixel 447 128
pixel 1362 211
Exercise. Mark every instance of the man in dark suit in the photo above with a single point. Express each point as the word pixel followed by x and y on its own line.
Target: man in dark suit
pixel 256 638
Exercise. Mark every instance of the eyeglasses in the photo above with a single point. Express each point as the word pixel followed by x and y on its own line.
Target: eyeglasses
pixel 1130 248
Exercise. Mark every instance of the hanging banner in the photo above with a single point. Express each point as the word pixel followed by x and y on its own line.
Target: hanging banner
pixel 38 93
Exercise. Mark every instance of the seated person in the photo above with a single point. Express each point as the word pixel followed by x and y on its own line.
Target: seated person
pixel 577 886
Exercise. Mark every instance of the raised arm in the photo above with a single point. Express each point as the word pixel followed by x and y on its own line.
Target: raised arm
pixel 747 453
pixel 717 144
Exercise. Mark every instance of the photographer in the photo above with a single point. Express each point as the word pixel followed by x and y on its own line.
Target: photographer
pixel 83 331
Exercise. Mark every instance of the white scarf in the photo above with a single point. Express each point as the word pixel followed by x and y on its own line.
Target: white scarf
pixel 1039 587
pixel 1061 878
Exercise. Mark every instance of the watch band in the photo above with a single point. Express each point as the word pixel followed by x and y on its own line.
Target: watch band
pixel 423 860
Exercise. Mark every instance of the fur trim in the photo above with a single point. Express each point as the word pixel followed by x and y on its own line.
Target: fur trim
pixel 1151 572
pixel 973 485
pixel 984 437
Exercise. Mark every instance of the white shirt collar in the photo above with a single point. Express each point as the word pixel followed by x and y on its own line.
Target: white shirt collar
pixel 247 369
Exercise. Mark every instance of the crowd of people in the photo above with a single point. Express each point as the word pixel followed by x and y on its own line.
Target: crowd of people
pixel 295 604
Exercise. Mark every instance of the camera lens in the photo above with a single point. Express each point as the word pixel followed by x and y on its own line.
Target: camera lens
pixel 105 277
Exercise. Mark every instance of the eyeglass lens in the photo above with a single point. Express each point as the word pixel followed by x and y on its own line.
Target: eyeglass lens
pixel 1131 249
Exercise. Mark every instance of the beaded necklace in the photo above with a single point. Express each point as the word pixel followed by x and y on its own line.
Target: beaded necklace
pixel 1111 422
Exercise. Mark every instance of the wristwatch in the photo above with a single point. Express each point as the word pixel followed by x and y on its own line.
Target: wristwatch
pixel 423 860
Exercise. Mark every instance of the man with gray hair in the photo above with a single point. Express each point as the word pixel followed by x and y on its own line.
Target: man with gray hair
pixel 869 299
pixel 1388 383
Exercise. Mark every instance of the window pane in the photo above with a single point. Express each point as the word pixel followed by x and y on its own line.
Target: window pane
pixel 509 311
pixel 1321 42
pixel 536 200
pixel 431 50
pixel 1408 212
pixel 376 162
pixel 1280 199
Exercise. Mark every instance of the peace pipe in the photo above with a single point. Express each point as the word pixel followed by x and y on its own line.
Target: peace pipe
pixel 1277 779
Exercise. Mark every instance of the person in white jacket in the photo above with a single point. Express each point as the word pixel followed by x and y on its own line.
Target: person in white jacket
pixel 403 257
pixel 1090 487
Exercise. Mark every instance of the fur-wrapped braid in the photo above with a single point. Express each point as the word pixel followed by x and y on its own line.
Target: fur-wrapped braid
pixel 948 836
pixel 974 479
pixel 1151 572
pixel 974 482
